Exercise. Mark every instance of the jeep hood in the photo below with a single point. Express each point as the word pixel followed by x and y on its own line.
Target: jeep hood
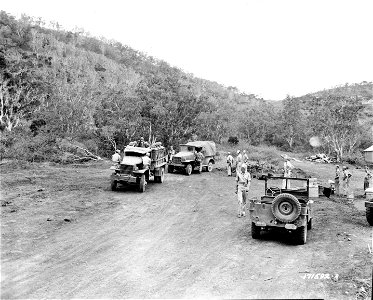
pixel 131 160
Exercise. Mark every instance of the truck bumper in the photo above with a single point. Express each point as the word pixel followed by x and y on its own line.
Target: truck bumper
pixel 124 178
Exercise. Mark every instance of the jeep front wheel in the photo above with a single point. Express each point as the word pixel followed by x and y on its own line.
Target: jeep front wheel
pixel 369 215
pixel 188 169
pixel 301 235
pixel 255 231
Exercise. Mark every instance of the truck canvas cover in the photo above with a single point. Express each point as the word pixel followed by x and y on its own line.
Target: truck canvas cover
pixel 208 147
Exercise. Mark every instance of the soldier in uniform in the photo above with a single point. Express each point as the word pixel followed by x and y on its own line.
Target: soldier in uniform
pixel 346 180
pixel 116 158
pixel 336 180
pixel 141 142
pixel 229 164
pixel 199 159
pixel 238 161
pixel 171 153
pixel 367 178
pixel 243 179
pixel 245 158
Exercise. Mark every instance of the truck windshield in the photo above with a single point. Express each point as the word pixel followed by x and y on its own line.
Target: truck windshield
pixel 129 153
pixel 185 148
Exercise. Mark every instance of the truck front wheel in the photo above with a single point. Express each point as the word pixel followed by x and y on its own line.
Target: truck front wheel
pixel 113 185
pixel 188 169
pixel 160 178
pixel 369 215
pixel 142 184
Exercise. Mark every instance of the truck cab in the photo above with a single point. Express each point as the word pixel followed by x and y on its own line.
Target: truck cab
pixel 185 159
pixel 133 171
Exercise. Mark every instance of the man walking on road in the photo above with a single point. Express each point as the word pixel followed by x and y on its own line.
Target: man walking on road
pixel 229 164
pixel 243 179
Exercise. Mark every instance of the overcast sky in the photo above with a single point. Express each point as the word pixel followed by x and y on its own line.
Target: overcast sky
pixel 266 47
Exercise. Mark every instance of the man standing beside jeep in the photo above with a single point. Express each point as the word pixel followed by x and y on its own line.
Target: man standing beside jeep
pixel 243 179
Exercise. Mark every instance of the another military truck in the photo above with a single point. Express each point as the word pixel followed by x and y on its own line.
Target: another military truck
pixel 283 207
pixel 185 160
pixel 132 171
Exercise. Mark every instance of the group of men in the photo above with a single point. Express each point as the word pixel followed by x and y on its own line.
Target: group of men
pixel 146 161
pixel 346 176
pixel 240 159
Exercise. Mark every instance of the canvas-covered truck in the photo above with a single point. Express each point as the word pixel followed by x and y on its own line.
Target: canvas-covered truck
pixel 283 206
pixel 132 171
pixel 185 159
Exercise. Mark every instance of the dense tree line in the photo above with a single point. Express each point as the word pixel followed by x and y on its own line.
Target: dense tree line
pixel 57 84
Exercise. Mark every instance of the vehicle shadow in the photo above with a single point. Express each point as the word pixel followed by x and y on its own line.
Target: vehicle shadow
pixel 276 235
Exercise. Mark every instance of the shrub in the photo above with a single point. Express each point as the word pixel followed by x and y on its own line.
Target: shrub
pixel 233 140
pixel 356 158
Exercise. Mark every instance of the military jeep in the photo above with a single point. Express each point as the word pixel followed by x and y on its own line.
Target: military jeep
pixel 283 207
pixel 131 170
pixel 185 159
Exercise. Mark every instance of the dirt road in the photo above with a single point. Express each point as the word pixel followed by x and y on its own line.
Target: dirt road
pixel 65 234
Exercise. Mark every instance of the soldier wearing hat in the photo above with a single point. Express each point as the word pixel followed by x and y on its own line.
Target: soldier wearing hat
pixel 243 179
pixel 116 157
pixel 238 161
pixel 229 164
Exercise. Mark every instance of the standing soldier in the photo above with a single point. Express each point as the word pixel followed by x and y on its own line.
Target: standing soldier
pixel 243 179
pixel 141 142
pixel 171 153
pixel 288 167
pixel 199 159
pixel 367 178
pixel 336 180
pixel 146 161
pixel 346 180
pixel 229 164
pixel 238 161
pixel 245 158
pixel 116 158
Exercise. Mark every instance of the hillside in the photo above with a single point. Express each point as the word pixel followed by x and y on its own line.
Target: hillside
pixel 58 85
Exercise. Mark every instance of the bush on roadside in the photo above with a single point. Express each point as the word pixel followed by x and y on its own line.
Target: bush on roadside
pixel 233 140
pixel 356 158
